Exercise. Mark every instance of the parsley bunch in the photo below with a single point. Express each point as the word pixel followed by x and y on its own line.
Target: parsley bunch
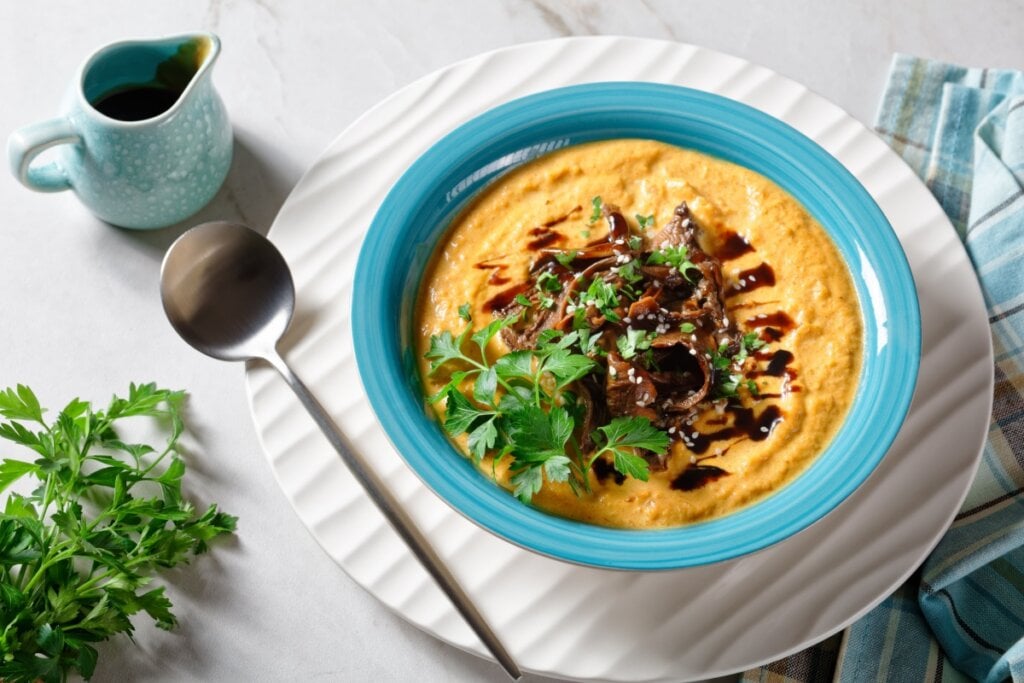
pixel 522 406
pixel 77 554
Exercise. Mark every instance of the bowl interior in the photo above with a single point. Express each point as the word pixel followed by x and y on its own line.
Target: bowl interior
pixel 439 184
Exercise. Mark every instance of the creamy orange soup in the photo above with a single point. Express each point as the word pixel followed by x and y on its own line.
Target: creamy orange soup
pixel 783 278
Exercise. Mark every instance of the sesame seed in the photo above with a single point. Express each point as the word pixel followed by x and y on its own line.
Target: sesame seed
pixel 725 321
pixel 694 435
pixel 632 371
pixel 640 403
pixel 614 269
pixel 612 371
pixel 571 308
pixel 753 279
pixel 764 429
pixel 671 430
pixel 627 320
pixel 693 352
pixel 708 356
pixel 693 459
pixel 762 316
pixel 620 241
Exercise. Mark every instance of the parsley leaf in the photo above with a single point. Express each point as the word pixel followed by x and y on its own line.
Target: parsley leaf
pixel 677 257
pixel 645 221
pixel 464 313
pixel 548 282
pixel 595 214
pixel 634 341
pixel 622 435
pixel 522 300
pixel 687 328
pixel 566 257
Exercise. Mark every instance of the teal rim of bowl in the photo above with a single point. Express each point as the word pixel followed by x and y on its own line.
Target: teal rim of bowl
pixel 421 205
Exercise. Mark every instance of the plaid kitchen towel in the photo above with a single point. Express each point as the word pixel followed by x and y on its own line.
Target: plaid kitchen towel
pixel 962 616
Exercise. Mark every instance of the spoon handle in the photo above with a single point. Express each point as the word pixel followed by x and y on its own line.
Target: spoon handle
pixel 397 516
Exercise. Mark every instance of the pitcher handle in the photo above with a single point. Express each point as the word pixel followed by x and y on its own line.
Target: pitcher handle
pixel 26 143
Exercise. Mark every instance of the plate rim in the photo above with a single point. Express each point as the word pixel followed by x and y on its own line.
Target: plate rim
pixel 267 394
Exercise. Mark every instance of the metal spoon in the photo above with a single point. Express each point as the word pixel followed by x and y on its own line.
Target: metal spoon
pixel 228 292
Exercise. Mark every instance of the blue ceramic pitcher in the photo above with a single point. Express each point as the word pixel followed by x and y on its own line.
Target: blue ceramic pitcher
pixel 143 138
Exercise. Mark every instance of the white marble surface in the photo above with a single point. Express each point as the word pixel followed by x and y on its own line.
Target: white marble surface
pixel 80 311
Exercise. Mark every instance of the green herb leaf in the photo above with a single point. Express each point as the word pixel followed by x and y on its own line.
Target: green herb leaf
pixel 522 300
pixel 460 414
pixel 515 364
pixel 464 313
pixel 444 348
pixel 631 465
pixel 634 341
pixel 645 221
pixel 548 282
pixel 677 257
pixel 566 257
pixel 687 328
pixel 596 205
pixel 527 481
pixel 634 432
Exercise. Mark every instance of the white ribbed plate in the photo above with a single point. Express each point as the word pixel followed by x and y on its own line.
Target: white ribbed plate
pixel 583 623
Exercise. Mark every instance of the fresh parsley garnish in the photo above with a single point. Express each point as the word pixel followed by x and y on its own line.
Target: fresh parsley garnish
pixel 604 296
pixel 634 341
pixel 77 554
pixel 677 257
pixel 727 384
pixel 595 214
pixel 522 300
pixel 687 328
pixel 622 436
pixel 566 257
pixel 548 282
pixel 521 406
pixel 645 221
pixel 635 242
pixel 464 313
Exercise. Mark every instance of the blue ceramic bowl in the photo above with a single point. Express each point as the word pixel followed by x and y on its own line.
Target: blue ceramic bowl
pixel 438 185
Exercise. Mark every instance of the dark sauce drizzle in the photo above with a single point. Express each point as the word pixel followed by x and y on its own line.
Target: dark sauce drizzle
pixel 544 236
pixel 497 277
pixel 733 246
pixel 751 279
pixel 696 476
pixel 603 469
pixel 505 297
pixel 745 424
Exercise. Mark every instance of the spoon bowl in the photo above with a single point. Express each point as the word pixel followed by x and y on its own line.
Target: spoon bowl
pixel 227 291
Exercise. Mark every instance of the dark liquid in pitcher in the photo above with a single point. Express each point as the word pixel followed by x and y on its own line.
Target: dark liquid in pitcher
pixel 135 103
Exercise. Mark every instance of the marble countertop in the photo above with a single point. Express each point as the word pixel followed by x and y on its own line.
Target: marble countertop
pixel 81 315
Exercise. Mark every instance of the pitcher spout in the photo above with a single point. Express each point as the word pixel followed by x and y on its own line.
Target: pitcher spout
pixel 171 69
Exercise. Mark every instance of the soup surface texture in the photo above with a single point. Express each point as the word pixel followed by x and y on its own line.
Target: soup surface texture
pixel 783 283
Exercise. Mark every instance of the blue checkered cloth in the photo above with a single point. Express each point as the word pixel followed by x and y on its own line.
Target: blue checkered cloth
pixel 962 616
